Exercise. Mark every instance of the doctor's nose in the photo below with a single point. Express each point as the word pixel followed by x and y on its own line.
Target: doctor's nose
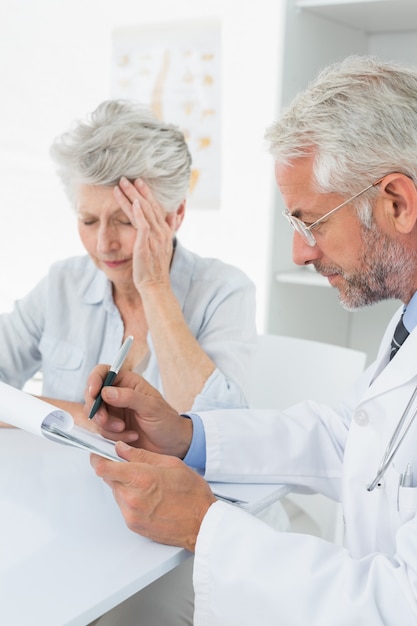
pixel 302 253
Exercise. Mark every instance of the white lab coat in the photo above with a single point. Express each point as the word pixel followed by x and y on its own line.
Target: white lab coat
pixel 247 574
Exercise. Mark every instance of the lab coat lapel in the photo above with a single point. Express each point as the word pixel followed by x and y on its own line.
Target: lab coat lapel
pixel 366 445
pixel 390 374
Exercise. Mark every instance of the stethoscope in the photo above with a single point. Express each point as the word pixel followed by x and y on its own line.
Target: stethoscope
pixel 394 443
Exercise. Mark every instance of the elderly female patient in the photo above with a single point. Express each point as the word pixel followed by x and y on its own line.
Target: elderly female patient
pixel 127 175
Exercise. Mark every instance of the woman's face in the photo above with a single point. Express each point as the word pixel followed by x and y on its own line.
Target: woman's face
pixel 106 232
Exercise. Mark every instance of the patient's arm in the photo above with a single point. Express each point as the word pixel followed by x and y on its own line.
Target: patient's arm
pixel 76 409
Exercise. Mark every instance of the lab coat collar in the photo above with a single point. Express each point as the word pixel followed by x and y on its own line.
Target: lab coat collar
pixel 402 369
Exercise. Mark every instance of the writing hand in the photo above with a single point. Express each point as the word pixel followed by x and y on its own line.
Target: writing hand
pixel 134 411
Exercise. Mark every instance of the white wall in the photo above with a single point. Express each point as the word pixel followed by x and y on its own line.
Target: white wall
pixel 55 64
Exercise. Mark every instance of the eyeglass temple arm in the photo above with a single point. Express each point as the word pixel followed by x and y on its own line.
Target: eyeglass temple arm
pixel 348 201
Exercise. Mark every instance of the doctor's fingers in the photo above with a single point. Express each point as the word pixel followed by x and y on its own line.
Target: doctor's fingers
pixel 132 391
pixel 158 424
pixel 166 502
pixel 94 383
pixel 142 476
pixel 124 378
pixel 126 473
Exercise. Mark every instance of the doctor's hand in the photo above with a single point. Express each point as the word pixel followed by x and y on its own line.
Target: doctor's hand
pixel 153 248
pixel 159 496
pixel 134 412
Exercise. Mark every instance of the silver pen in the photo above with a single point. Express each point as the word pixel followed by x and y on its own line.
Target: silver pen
pixel 407 478
pixel 112 373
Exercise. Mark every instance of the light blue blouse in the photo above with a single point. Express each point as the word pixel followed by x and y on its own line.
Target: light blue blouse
pixel 68 323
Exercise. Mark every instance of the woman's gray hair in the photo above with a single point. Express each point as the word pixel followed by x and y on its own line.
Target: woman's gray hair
pixel 359 121
pixel 123 138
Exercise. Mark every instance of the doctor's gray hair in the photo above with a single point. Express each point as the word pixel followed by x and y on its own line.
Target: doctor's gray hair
pixel 359 121
pixel 123 138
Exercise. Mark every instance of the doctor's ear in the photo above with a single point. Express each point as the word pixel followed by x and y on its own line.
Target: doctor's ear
pixel 399 194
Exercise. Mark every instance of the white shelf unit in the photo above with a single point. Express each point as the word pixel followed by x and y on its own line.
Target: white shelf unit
pixel 318 33
pixel 370 16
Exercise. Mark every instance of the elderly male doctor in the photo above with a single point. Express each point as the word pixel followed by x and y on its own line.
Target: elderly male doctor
pixel 346 166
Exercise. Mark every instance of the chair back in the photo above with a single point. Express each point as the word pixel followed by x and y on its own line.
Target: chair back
pixel 287 370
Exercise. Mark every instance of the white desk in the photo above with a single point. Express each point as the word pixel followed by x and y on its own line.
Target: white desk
pixel 66 555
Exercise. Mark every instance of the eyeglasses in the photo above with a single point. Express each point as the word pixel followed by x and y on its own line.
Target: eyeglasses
pixel 305 231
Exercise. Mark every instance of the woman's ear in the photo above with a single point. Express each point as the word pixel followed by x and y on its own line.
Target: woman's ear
pixel 175 218
pixel 400 201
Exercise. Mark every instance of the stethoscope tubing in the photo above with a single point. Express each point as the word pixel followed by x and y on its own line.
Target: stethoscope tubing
pixel 395 441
